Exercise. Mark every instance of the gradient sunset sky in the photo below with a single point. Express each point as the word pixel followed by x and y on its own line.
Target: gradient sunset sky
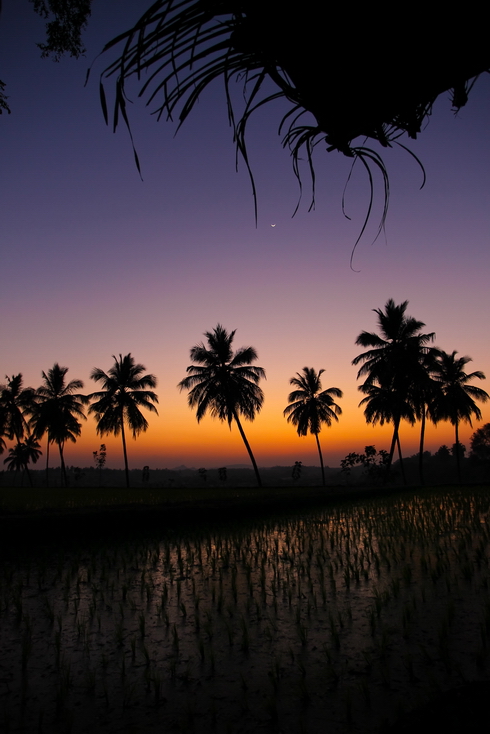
pixel 96 262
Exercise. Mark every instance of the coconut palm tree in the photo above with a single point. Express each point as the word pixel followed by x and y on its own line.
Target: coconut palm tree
pixel 393 364
pixel 15 403
pixel 124 392
pixel 309 407
pixel 57 412
pixel 424 394
pixel 384 405
pixel 456 402
pixel 21 454
pixel 224 382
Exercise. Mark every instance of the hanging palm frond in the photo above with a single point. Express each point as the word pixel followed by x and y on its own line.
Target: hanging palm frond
pixel 358 76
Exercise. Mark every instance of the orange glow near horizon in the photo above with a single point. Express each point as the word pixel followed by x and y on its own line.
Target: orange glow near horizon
pixel 177 439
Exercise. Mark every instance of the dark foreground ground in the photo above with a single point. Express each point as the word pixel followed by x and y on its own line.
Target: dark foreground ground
pixel 73 520
pixel 46 517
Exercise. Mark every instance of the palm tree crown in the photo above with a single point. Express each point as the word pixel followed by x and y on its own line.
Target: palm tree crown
pixel 124 392
pixel 397 349
pixel 224 382
pixel 309 407
pixel 15 403
pixel 456 402
pixel 58 410
pixel 21 454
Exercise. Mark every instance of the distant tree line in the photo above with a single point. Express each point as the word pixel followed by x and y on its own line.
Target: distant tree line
pixel 406 378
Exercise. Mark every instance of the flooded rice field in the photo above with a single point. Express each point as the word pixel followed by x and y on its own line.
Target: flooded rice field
pixel 336 620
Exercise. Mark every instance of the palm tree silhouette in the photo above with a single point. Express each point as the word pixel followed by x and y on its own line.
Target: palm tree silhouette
pixel 456 402
pixel 57 412
pixel 393 365
pixel 425 393
pixel 224 382
pixel 124 392
pixel 15 403
pixel 309 406
pixel 21 454
pixel 384 405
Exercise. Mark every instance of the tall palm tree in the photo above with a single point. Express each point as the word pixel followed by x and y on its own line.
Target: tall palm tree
pixel 457 398
pixel 224 382
pixel 384 405
pixel 21 454
pixel 15 403
pixel 309 406
pixel 57 412
pixel 425 392
pixel 124 392
pixel 393 362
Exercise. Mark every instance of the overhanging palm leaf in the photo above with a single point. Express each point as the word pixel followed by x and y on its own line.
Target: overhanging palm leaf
pixel 310 407
pixel 384 87
pixel 124 392
pixel 224 382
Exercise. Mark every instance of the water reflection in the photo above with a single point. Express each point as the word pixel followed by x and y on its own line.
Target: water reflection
pixel 345 614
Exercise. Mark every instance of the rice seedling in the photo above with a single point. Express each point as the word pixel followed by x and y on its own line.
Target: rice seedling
pixel 26 646
pixel 142 625
pixel 276 586
pixel 90 681
pixel 119 634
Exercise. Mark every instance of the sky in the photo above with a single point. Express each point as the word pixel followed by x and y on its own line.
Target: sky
pixel 97 262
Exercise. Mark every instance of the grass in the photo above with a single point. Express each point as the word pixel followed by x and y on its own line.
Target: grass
pixel 28 500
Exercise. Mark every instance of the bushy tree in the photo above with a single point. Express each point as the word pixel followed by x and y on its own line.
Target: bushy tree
pixel 480 443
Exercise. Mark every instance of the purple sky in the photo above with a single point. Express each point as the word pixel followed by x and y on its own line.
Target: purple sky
pixel 96 262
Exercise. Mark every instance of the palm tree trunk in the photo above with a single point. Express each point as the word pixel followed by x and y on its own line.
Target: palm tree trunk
pixel 402 468
pixel 321 458
pixel 456 448
pixel 392 448
pixel 421 449
pixel 47 463
pixel 247 445
pixel 63 467
pixel 126 468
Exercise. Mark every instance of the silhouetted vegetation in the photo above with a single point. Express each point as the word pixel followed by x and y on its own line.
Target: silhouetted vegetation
pixel 456 400
pixel 57 411
pixel 393 366
pixel 22 454
pixel 100 458
pixel 225 383
pixel 480 444
pixel 382 89
pixel 118 403
pixel 406 378
pixel 374 465
pixel 310 406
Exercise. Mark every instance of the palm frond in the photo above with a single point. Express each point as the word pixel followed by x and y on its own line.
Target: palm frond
pixel 124 393
pixel 310 407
